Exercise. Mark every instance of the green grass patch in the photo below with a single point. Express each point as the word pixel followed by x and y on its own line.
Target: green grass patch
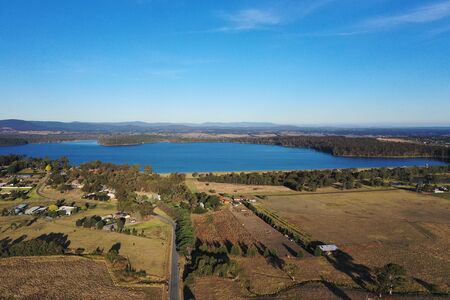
pixel 190 184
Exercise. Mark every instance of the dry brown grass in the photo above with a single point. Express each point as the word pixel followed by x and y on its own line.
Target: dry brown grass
pixel 64 278
pixel 376 228
pixel 220 226
pixel 148 253
pixel 72 195
pixel 237 189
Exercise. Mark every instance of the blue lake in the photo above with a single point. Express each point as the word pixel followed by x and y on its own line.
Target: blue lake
pixel 205 157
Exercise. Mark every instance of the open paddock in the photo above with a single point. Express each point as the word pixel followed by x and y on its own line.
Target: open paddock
pixel 235 189
pixel 378 227
pixel 149 253
pixel 64 278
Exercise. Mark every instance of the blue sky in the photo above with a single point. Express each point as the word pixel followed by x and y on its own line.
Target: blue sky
pixel 285 61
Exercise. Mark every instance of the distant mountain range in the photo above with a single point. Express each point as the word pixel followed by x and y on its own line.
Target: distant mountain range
pixel 22 125
pixel 209 127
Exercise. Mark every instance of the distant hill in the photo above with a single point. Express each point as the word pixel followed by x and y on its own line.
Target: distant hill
pixel 213 127
pixel 21 125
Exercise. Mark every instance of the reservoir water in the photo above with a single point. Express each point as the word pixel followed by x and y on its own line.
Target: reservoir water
pixel 205 157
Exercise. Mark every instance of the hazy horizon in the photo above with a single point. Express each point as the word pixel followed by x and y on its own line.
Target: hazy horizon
pixel 262 123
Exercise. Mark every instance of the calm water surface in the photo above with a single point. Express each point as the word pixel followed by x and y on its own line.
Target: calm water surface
pixel 203 157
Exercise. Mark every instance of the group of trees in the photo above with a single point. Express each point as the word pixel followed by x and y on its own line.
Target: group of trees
pixel 126 180
pixel 202 202
pixel 210 260
pixel 354 146
pixel 13 163
pixel 184 231
pixel 131 139
pixel 91 222
pixel 12 141
pixel 345 178
pixel 35 247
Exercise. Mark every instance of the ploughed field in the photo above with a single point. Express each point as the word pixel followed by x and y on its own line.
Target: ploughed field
pixel 238 225
pixel 377 227
pixel 60 277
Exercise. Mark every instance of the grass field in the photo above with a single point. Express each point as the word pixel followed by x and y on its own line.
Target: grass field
pixel 236 189
pixel 64 278
pixel 263 190
pixel 371 227
pixel 378 227
pixel 149 253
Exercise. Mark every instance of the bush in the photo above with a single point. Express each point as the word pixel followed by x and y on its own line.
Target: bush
pixel 112 255
pixel 80 222
pixel 99 224
pixel 317 252
pixel 52 208
pixel 299 254
pixel 252 251
pixel 236 250
pixel 79 251
pixel 199 210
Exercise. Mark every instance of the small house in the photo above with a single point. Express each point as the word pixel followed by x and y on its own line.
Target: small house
pixel 19 209
pixel 107 217
pixel 41 210
pixel 32 210
pixel 328 249
pixel 68 209
pixel 76 184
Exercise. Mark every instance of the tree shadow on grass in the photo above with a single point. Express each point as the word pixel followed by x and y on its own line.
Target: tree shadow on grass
pixel 291 251
pixel 115 247
pixel 344 262
pixel 58 238
pixel 338 292
pixel 187 293
pixel 7 242
pixel 430 287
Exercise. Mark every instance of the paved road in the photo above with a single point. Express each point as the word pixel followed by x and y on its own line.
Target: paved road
pixel 174 276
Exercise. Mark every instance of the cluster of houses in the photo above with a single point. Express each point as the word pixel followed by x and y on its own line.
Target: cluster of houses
pixel 235 201
pixel 25 209
pixel 111 220
pixel 238 201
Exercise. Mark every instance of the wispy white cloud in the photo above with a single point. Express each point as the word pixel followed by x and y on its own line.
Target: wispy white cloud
pixel 250 19
pixel 264 18
pixel 423 14
pixel 419 15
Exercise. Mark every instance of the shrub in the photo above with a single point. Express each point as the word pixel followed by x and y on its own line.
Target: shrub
pixel 52 207
pixel 236 250
pixel 199 210
pixel 299 254
pixel 317 252
pixel 99 224
pixel 252 251
pixel 112 255
pixel 80 222
pixel 79 251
